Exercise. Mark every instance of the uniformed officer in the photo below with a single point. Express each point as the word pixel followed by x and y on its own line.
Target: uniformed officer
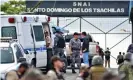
pixel 126 69
pixel 75 48
pixel 59 44
pixel 97 70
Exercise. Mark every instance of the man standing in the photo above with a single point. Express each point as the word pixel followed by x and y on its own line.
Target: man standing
pixel 17 74
pixel 57 65
pixel 107 57
pixel 120 59
pixel 59 44
pixel 75 48
pixel 85 48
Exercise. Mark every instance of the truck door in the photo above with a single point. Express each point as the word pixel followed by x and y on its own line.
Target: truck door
pixel 39 44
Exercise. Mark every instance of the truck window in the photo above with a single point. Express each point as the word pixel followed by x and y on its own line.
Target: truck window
pixel 7 55
pixel 18 52
pixel 38 31
pixel 9 31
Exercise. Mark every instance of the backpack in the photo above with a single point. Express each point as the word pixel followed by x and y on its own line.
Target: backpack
pixel 61 42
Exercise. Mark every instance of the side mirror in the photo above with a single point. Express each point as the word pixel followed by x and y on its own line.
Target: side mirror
pixel 26 52
pixel 21 59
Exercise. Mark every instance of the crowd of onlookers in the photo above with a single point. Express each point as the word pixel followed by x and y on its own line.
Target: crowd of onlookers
pixel 96 72
pixel 91 70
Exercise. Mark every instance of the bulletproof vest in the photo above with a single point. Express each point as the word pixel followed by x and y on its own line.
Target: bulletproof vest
pixel 61 42
pixel 97 72
pixel 76 44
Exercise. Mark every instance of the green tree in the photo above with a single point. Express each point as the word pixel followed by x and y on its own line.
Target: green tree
pixel 13 7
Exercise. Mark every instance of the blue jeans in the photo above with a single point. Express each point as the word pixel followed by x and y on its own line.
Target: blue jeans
pixel 86 58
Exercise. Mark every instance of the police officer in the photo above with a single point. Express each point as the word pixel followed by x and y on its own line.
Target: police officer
pixel 125 69
pixel 97 69
pixel 75 48
pixel 59 43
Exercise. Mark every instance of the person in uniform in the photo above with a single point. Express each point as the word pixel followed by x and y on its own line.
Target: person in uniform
pixel 97 69
pixel 75 48
pixel 126 69
pixel 59 44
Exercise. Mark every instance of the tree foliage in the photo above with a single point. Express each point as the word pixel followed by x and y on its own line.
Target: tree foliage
pixel 13 7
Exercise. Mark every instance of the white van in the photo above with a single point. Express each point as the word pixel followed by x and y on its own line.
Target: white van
pixel 29 31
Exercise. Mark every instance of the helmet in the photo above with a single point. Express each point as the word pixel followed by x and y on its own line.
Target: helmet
pixel 128 56
pixel 97 60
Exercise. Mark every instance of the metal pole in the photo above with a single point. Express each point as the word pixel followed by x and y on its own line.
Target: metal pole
pixel 80 23
pixel 105 41
pixel 58 21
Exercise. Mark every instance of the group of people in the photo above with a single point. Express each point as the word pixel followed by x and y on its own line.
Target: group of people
pixel 120 58
pixel 75 48
pixel 96 72
pixel 93 71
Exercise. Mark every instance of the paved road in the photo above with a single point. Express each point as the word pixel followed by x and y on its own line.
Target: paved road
pixel 70 76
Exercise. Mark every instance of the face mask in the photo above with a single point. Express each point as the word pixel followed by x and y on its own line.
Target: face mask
pixel 86 74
